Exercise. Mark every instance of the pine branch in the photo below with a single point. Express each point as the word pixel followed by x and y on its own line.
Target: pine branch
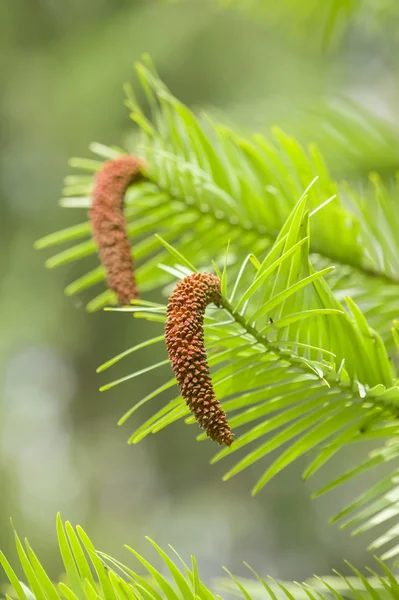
pixel 331 254
pixel 309 379
pixel 310 367
pixel 91 574
pixel 209 189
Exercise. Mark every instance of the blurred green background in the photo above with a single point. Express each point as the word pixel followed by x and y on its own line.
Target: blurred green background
pixel 62 68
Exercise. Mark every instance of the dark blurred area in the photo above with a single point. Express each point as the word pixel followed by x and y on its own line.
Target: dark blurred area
pixel 62 68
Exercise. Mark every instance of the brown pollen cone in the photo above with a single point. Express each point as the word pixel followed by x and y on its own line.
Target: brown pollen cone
pixel 109 224
pixel 184 335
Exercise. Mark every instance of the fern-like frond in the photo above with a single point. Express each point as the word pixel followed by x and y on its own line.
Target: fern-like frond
pixel 294 372
pixel 210 187
pixel 353 139
pixel 379 504
pixel 93 575
pixel 293 357
pixel 338 587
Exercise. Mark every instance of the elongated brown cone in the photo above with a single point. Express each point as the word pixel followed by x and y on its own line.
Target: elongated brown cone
pixel 184 334
pixel 109 224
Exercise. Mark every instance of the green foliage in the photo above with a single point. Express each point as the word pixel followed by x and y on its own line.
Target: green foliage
pixel 211 186
pixel 353 139
pixel 325 24
pixel 325 20
pixel 93 575
pixel 299 352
